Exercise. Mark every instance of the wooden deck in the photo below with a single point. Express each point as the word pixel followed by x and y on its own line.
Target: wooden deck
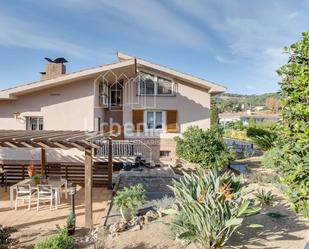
pixel 46 219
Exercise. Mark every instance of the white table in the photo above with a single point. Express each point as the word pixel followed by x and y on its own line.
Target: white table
pixel 56 185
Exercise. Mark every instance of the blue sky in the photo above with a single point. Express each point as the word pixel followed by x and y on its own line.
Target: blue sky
pixel 237 43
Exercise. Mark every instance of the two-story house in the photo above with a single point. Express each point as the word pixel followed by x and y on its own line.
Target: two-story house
pixel 143 101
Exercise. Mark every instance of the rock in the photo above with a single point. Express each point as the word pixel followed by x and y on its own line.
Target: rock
pixel 160 213
pixel 175 206
pixel 114 235
pixel 136 228
pixel 151 215
pixel 118 227
pixel 138 220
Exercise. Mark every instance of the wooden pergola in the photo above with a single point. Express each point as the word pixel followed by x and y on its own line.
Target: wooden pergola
pixel 82 140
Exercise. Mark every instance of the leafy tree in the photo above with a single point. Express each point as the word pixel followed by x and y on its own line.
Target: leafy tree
pixel 292 157
pixel 203 147
pixel 232 102
pixel 273 104
pixel 214 116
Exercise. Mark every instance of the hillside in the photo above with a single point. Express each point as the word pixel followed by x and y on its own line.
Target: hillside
pixel 233 102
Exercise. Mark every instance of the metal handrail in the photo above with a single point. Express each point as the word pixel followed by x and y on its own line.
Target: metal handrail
pixel 125 148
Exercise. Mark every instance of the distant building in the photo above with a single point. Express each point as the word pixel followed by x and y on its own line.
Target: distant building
pixel 258 108
pixel 225 118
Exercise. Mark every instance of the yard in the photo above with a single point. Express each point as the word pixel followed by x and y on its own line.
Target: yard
pixel 279 226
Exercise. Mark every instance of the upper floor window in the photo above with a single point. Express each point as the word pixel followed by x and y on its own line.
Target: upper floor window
pixel 116 94
pixel 103 93
pixel 35 123
pixel 150 84
pixel 164 86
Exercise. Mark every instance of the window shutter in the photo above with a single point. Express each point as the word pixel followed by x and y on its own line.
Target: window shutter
pixel 171 120
pixel 138 120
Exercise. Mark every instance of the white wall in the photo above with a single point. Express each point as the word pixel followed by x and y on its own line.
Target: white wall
pixel 192 103
pixel 67 107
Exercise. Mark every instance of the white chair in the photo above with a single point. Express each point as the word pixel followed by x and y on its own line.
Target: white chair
pixel 56 178
pixel 45 193
pixel 23 192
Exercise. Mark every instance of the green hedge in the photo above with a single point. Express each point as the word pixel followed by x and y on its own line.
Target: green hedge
pixel 203 147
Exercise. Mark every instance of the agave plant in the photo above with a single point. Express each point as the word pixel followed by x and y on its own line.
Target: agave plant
pixel 264 198
pixel 212 208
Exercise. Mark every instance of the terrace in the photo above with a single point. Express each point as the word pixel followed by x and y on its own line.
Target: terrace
pixel 88 206
pixel 46 219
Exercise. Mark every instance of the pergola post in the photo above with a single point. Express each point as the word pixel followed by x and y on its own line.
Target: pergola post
pixel 110 163
pixel 43 162
pixel 88 187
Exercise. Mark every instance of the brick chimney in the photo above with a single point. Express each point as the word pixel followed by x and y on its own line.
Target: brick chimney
pixel 54 68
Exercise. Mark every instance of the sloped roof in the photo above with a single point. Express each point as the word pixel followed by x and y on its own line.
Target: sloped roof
pixel 123 61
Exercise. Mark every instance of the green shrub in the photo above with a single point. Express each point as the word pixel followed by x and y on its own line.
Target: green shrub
pixel 59 241
pixel 294 149
pixel 257 132
pixel 71 220
pixel 130 199
pixel 240 135
pixel 4 237
pixel 237 125
pixel 269 159
pixel 203 147
pixel 212 208
pixel 267 125
pixel 264 198
pixel 263 138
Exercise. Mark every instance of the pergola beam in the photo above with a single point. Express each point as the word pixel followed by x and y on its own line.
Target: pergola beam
pixel 43 162
pixel 88 188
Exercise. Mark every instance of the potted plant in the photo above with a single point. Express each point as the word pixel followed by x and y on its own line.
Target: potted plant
pixel 36 179
pixel 129 200
pixel 71 222
pixel 31 170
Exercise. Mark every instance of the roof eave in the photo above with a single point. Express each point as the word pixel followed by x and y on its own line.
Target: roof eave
pixel 23 89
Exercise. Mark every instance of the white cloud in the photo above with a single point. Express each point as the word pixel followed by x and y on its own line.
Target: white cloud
pixel 222 59
pixel 15 32
pixel 255 34
pixel 293 15
pixel 148 20
pixel 156 18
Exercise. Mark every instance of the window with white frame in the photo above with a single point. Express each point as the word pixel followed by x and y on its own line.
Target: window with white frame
pixel 35 123
pixel 103 93
pixel 154 120
pixel 165 153
pixel 147 84
pixel 116 94
pixel 150 84
pixel 164 86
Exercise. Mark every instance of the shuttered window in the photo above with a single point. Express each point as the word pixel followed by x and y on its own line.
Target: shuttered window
pixel 155 120
pixel 138 120
pixel 171 121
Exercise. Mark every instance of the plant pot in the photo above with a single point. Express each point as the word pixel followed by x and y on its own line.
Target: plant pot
pixel 126 214
pixel 71 231
pixel 31 173
pixel 36 181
